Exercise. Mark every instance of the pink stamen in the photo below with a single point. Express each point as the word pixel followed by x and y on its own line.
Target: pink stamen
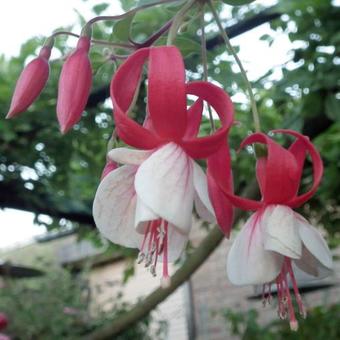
pixel 155 242
pixel 285 303
pixel 302 309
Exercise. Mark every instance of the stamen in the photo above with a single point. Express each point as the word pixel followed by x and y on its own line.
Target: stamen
pixel 155 242
pixel 285 303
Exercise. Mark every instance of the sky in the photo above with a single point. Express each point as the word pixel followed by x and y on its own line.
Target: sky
pixel 22 19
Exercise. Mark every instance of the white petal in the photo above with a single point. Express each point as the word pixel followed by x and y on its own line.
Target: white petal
pixel 314 242
pixel 281 231
pixel 202 201
pixel 143 214
pixel 128 156
pixel 202 210
pixel 176 243
pixel 248 262
pixel 114 207
pixel 310 265
pixel 164 182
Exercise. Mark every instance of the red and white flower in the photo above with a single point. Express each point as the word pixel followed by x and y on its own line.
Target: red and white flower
pixel 276 241
pixel 147 203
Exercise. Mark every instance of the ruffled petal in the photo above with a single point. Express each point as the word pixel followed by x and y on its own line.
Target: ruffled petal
pixel 248 262
pixel 114 207
pixel 202 200
pixel 314 242
pixel 128 156
pixel 281 231
pixel 164 182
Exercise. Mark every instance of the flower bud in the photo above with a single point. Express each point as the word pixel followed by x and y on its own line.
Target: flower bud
pixel 74 85
pixel 31 82
pixel 3 321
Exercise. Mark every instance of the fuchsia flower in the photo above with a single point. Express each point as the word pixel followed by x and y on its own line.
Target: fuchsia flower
pixel 31 82
pixel 147 203
pixel 276 241
pixel 74 85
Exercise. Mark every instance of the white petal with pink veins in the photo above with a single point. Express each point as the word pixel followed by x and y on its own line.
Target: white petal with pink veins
pixel 281 231
pixel 114 207
pixel 176 243
pixel 143 214
pixel 202 201
pixel 314 242
pixel 164 183
pixel 128 156
pixel 248 262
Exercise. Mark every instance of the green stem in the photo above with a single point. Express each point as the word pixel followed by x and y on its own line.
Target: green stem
pixel 126 14
pixel 94 41
pixel 238 61
pixel 205 64
pixel 178 20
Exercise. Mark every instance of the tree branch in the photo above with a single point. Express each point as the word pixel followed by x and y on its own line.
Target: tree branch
pixel 13 197
pixel 193 262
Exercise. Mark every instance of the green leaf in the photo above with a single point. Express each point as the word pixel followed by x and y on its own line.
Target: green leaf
pixel 186 46
pixel 122 28
pixel 237 2
pixel 333 107
pixel 98 9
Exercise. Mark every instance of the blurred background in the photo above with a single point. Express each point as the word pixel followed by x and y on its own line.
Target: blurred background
pixel 58 278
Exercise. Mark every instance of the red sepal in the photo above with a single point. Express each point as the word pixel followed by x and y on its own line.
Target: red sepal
pixel 194 119
pixel 317 167
pixel 203 147
pixel 219 177
pixel 281 171
pixel 123 88
pixel 166 92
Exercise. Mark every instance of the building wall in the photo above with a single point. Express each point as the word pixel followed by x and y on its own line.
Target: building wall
pixel 173 310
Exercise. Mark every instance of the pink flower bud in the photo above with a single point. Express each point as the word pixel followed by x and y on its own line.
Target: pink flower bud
pixel 109 166
pixel 3 321
pixel 30 83
pixel 74 85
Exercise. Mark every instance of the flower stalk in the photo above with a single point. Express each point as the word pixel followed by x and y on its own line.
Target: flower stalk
pixel 205 64
pixel 229 46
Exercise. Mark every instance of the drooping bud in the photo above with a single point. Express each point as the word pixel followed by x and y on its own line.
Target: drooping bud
pixel 109 166
pixel 3 321
pixel 31 82
pixel 74 85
